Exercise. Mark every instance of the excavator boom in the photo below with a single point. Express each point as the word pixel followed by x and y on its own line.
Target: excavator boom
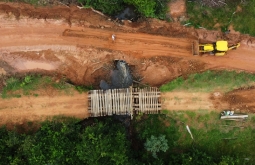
pixel 234 46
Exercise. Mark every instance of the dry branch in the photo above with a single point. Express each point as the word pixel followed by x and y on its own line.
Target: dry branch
pixel 213 3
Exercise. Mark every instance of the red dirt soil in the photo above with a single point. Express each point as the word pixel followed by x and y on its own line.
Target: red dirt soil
pixel 45 106
pixel 77 43
pixel 242 100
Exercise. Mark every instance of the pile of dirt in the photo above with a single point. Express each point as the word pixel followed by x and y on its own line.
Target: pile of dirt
pixel 70 14
pixel 177 10
pixel 168 68
pixel 241 99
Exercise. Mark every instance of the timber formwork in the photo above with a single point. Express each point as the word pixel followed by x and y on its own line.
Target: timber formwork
pixel 125 101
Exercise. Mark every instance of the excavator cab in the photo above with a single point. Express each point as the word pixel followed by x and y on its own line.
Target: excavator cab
pixel 221 47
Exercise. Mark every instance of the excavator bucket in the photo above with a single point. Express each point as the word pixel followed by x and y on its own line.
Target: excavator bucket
pixel 195 48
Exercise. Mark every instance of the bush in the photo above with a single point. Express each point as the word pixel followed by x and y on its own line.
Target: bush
pixel 156 144
pixel 146 8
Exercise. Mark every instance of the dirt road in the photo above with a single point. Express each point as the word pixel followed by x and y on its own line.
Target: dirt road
pixel 77 43
pixel 20 110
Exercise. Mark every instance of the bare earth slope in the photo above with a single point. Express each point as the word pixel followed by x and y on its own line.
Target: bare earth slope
pixel 77 43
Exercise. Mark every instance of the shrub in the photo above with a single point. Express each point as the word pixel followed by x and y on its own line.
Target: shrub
pixel 156 144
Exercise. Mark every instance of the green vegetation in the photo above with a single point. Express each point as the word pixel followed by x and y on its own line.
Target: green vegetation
pixel 36 2
pixel 27 84
pixel 150 8
pixel 146 8
pixel 82 88
pixel 218 138
pixel 208 17
pixel 32 2
pixel 211 80
pixel 31 84
pixel 156 144
pixel 248 12
pixel 107 141
pixel 63 141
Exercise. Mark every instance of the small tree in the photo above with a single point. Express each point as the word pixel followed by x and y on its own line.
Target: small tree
pixel 156 144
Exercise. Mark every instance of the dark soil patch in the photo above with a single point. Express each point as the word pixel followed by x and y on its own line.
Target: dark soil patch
pixel 242 99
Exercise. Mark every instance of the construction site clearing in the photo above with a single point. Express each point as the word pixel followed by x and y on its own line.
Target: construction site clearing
pixel 78 44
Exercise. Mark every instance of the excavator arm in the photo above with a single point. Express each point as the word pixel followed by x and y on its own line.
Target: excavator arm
pixel 234 46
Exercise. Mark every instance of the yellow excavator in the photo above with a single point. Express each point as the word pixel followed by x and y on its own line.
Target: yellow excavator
pixel 218 48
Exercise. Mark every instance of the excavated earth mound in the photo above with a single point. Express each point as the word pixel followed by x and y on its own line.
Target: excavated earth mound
pixel 241 99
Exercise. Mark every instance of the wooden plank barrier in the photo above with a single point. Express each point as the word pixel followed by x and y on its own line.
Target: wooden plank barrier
pixel 125 101
pixel 148 100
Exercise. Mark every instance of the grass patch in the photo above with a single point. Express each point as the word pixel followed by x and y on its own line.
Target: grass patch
pixel 215 141
pixel 173 84
pixel 247 15
pixel 210 134
pixel 253 119
pixel 82 89
pixel 35 3
pixel 191 114
pixel 62 85
pixel 211 80
pixel 25 85
pixel 208 17
pixel 30 84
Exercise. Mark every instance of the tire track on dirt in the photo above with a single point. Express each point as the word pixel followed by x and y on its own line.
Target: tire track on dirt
pixel 43 107
pixel 148 45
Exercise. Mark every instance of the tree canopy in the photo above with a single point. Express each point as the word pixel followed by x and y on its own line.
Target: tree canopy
pixel 146 8
pixel 108 141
